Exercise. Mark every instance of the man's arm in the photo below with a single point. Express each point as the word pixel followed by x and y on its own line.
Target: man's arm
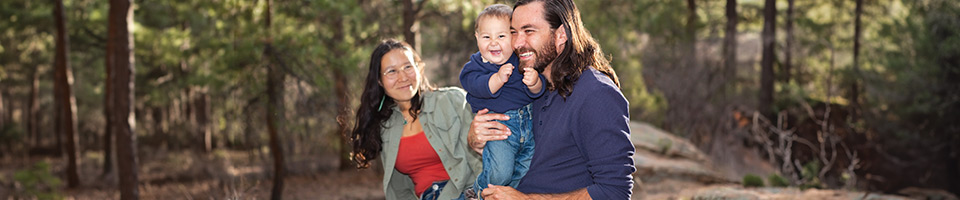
pixel 604 123
pixel 506 192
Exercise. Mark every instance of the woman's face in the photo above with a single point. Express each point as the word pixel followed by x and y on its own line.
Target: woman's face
pixel 400 75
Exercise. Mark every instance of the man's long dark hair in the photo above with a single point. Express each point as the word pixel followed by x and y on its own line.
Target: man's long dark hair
pixel 580 51
pixel 371 114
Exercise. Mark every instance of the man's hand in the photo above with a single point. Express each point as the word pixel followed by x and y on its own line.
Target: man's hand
pixel 494 192
pixel 484 128
pixel 505 71
pixel 506 192
pixel 531 78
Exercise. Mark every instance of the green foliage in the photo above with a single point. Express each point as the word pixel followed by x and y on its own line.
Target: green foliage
pixel 913 90
pixel 665 145
pixel 751 180
pixel 217 47
pixel 38 182
pixel 810 174
pixel 776 180
pixel 12 132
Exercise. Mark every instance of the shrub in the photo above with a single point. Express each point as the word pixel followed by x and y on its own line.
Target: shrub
pixel 38 182
pixel 751 180
pixel 777 181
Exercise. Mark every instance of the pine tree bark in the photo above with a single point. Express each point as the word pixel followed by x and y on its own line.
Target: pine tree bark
pixel 68 106
pixel 274 109
pixel 3 113
pixel 108 115
pixel 33 112
pixel 411 22
pixel 730 40
pixel 691 35
pixel 788 51
pixel 120 58
pixel 343 117
pixel 202 110
pixel 160 127
pixel 342 92
pixel 766 63
pixel 854 85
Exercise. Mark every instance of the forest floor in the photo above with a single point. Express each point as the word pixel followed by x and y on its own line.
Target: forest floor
pixel 245 175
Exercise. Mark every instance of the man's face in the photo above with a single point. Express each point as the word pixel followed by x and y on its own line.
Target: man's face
pixel 533 40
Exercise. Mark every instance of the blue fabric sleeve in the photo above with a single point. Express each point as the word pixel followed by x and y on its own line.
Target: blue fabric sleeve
pixel 475 80
pixel 543 82
pixel 604 138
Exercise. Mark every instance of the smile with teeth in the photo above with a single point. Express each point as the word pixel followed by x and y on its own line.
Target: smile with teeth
pixel 526 55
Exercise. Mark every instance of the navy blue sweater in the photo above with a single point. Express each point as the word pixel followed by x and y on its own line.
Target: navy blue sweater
pixel 475 77
pixel 583 141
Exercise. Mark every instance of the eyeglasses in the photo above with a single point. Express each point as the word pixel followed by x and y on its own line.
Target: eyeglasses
pixel 393 72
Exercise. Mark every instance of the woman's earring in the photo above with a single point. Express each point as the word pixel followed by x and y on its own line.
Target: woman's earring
pixel 381 103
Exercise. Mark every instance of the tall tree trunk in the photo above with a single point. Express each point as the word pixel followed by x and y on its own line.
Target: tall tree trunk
pixel 788 52
pixel 274 116
pixel 343 96
pixel 33 112
pixel 691 35
pixel 274 109
pixel 730 40
pixel 160 128
pixel 766 63
pixel 68 106
pixel 108 115
pixel 3 113
pixel 343 116
pixel 120 58
pixel 411 22
pixel 855 86
pixel 173 120
pixel 202 110
pixel 57 115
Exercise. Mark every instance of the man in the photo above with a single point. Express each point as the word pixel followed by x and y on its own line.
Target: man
pixel 583 146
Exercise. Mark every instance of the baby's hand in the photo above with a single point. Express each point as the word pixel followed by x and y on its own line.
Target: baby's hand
pixel 505 71
pixel 530 77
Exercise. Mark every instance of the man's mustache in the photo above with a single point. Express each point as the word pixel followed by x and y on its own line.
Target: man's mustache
pixel 533 63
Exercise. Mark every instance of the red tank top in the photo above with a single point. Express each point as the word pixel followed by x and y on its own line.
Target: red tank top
pixel 418 159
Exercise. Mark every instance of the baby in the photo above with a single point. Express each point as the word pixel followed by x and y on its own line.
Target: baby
pixel 493 82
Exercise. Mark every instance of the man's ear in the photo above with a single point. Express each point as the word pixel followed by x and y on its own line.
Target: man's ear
pixel 561 38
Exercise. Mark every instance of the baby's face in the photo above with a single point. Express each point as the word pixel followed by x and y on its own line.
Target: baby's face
pixel 493 39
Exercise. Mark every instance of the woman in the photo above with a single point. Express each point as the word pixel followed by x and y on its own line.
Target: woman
pixel 419 132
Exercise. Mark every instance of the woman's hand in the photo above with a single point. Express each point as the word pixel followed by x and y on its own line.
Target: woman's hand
pixel 484 128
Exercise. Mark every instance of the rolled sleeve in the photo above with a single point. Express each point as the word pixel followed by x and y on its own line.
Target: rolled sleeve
pixel 543 81
pixel 605 142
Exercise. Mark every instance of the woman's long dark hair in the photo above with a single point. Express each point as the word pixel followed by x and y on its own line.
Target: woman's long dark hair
pixel 371 114
pixel 581 50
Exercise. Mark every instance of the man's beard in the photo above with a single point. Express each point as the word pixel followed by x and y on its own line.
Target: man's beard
pixel 545 54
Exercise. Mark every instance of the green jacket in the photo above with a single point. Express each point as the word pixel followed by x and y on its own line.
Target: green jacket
pixel 445 117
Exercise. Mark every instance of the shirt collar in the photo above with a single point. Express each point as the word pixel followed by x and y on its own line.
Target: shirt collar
pixel 549 97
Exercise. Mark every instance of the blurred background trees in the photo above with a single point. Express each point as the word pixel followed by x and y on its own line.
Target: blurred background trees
pixel 231 75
